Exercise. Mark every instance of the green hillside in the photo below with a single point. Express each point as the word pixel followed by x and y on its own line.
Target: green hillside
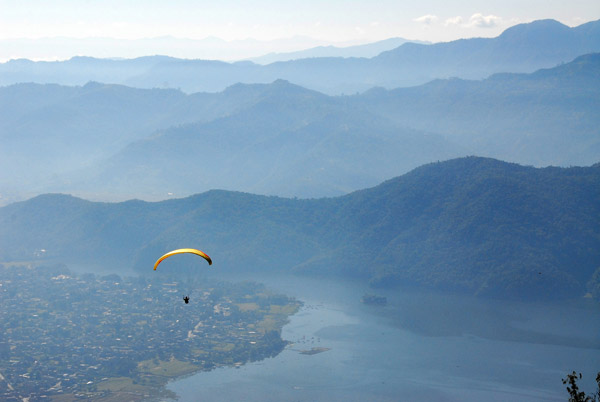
pixel 471 224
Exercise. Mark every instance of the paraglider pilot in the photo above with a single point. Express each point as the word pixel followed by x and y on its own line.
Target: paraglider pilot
pixel 186 299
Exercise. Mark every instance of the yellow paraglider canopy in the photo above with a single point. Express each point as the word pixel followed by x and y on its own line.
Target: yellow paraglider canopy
pixel 181 251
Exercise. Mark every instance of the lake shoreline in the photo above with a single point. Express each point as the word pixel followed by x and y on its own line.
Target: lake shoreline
pixel 376 352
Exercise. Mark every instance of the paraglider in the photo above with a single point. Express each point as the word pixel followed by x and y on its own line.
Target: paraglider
pixel 186 299
pixel 182 251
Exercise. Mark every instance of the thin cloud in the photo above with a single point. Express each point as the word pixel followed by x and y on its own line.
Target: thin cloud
pixel 458 20
pixel 484 21
pixel 427 19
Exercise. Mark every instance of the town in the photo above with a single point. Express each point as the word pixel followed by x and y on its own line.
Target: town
pixel 68 336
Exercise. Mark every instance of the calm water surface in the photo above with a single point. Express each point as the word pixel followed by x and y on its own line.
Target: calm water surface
pixel 423 346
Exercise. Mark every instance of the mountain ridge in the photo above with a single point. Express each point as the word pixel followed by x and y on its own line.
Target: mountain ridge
pixel 524 48
pixel 472 224
pixel 113 142
pixel 365 50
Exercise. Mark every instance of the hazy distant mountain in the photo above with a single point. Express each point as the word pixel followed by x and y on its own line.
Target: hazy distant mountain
pixel 48 130
pixel 522 48
pixel 473 224
pixel 51 129
pixel 291 142
pixel 548 117
pixel 114 143
pixel 367 50
pixel 209 48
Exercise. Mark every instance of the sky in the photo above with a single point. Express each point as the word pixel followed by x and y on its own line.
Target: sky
pixel 286 24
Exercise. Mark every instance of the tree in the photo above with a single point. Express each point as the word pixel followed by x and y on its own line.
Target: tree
pixel 573 389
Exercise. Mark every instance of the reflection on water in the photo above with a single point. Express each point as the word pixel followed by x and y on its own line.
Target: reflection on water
pixel 422 346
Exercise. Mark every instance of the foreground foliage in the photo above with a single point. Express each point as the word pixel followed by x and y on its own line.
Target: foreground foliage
pixel 575 395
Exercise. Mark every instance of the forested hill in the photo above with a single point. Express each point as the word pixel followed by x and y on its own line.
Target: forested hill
pixel 473 224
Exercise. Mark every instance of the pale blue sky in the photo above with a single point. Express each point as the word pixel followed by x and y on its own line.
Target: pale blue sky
pixel 335 21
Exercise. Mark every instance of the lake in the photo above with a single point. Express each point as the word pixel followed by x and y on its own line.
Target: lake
pixel 423 345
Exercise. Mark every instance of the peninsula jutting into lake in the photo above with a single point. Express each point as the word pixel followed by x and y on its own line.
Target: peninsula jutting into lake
pixel 96 337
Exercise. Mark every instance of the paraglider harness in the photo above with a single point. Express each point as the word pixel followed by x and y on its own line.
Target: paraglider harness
pixel 186 299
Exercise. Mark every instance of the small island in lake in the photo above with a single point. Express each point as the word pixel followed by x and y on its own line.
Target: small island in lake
pixel 314 351
pixel 374 300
